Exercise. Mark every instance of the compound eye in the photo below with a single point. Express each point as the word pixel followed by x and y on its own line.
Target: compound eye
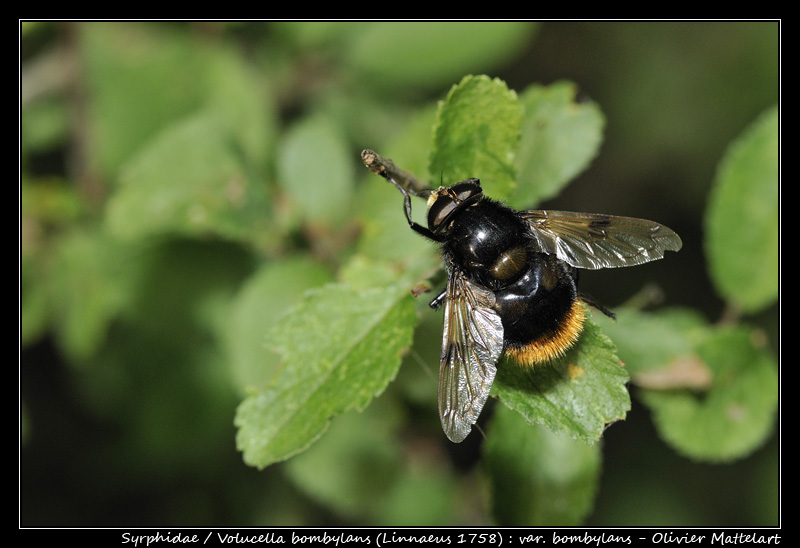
pixel 447 200
pixel 440 210
pixel 466 190
pixel 509 264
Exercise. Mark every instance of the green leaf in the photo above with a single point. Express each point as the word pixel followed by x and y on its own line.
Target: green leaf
pixel 387 239
pixel 192 181
pixel 743 218
pixel 413 54
pixel 242 97
pixel 385 234
pixel 341 347
pixel 88 286
pixel 360 470
pixel 576 396
pixel 355 465
pixel 560 137
pixel 713 391
pixel 260 302
pixel 44 126
pixel 651 341
pixel 476 135
pixel 307 35
pixel 141 78
pixel 736 415
pixel 46 206
pixel 538 477
pixel 315 168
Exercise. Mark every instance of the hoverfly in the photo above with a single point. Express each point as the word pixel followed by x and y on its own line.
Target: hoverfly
pixel 511 280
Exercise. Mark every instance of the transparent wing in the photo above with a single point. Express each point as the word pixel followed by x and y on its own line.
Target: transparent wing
pixel 472 342
pixel 591 240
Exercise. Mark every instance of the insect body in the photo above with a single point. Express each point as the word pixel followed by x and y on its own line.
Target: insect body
pixel 512 281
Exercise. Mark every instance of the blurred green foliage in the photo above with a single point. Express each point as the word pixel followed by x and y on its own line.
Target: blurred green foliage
pixel 199 243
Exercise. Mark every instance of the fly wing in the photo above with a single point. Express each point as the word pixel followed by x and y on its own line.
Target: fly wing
pixel 592 241
pixel 472 342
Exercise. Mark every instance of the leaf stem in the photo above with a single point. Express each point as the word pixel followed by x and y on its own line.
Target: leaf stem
pixel 385 167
